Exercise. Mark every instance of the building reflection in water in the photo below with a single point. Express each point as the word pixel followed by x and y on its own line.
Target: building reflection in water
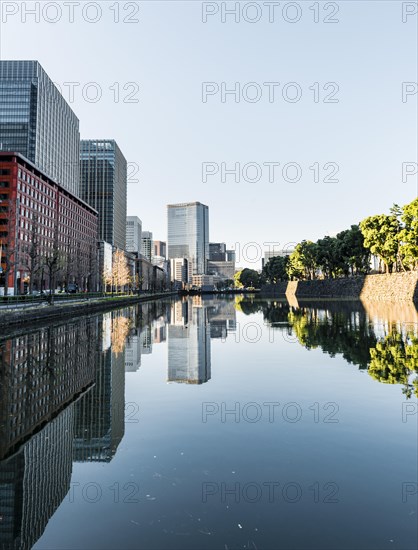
pixel 34 481
pixel 61 400
pixel 193 321
pixel 62 397
pixel 99 416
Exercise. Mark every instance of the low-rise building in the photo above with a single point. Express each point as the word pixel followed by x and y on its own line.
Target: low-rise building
pixel 48 236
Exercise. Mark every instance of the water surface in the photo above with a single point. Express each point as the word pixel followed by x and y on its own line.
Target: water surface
pixel 213 423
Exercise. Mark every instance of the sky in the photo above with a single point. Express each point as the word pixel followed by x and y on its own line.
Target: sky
pixel 321 130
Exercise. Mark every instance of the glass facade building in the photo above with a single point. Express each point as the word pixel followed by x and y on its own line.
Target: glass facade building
pixel 103 184
pixel 133 234
pixel 188 235
pixel 36 121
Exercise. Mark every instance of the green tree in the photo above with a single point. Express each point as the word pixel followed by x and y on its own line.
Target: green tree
pixel 354 256
pixel 328 256
pixel 276 269
pixel 237 279
pixel 409 235
pixel 303 261
pixel 381 237
pixel 247 278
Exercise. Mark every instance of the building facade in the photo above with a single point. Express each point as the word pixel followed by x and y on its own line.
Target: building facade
pixel 221 261
pixel 147 247
pixel 188 235
pixel 133 234
pixel 217 252
pixel 276 252
pixel 223 270
pixel 179 271
pixel 39 219
pixel 160 249
pixel 36 121
pixel 103 185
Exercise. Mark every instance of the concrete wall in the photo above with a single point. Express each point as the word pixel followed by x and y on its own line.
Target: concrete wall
pixel 389 288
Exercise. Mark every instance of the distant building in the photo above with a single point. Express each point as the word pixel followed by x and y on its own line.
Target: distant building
pixel 179 268
pixel 224 270
pixel 203 282
pixel 217 252
pixel 221 261
pixel 281 252
pixel 133 234
pixel 103 186
pixel 188 235
pixel 160 249
pixel 147 245
pixel 230 256
pixel 37 122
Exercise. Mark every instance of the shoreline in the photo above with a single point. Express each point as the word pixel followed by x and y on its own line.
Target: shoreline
pixel 394 287
pixel 21 318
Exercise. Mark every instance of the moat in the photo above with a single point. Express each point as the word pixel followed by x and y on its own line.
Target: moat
pixel 208 422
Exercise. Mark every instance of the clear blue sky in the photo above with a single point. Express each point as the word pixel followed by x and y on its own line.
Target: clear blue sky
pixel 170 131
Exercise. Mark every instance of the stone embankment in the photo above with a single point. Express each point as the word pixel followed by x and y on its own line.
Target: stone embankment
pixel 388 288
pixel 43 313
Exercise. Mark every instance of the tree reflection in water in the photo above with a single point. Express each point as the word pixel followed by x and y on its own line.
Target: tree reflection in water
pixel 384 345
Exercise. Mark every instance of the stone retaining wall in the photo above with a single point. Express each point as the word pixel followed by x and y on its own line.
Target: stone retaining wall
pixel 389 288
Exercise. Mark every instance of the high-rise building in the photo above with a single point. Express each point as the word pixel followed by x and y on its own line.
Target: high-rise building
pixel 37 122
pixel 188 235
pixel 147 246
pixel 103 185
pixel 133 234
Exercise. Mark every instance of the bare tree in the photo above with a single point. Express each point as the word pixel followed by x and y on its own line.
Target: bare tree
pixel 9 252
pixel 33 258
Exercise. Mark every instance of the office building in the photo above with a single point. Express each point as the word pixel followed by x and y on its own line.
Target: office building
pixel 223 270
pixel 276 252
pixel 147 245
pixel 133 234
pixel 37 122
pixel 217 252
pixel 38 216
pixel 221 262
pixel 160 249
pixel 179 270
pixel 188 235
pixel 103 172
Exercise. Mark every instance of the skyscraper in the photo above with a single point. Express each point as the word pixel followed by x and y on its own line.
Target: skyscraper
pixel 103 186
pixel 188 234
pixel 133 234
pixel 147 247
pixel 36 121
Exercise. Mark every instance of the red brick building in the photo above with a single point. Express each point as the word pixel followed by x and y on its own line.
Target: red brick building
pixel 48 236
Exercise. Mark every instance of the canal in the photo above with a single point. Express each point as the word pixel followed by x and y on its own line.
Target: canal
pixel 212 423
